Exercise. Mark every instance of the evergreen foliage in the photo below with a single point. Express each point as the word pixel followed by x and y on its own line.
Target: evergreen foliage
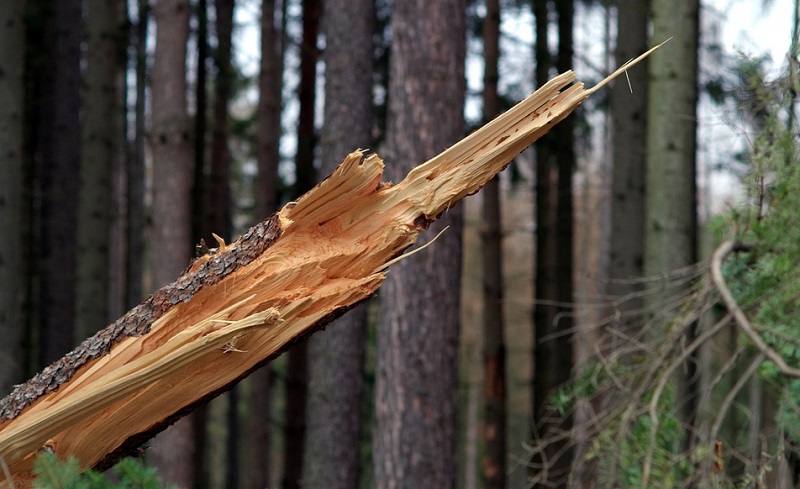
pixel 130 473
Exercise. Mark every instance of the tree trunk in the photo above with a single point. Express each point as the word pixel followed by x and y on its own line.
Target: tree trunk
pixel 56 155
pixel 671 222
pixel 336 357
pixel 494 428
pixel 242 305
pixel 99 151
pixel 305 177
pixel 555 161
pixel 416 384
pixel 12 209
pixel 134 264
pixel 172 451
pixel 266 197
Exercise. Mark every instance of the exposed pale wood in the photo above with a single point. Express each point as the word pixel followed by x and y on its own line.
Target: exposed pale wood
pixel 238 308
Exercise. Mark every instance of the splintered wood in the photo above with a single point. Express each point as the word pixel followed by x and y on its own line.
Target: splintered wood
pixel 236 309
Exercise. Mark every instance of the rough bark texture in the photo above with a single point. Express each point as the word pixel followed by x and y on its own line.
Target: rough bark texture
pixel 99 151
pixel 494 428
pixel 12 279
pixel 172 451
pixel 239 307
pixel 671 201
pixel 417 371
pixel 336 356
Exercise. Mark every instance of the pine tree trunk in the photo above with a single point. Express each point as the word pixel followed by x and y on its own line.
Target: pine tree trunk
pixel 305 177
pixel 671 222
pixel 57 149
pixel 555 162
pixel 266 198
pixel 416 385
pixel 336 357
pixel 12 209
pixel 173 450
pixel 134 264
pixel 494 428
pixel 99 151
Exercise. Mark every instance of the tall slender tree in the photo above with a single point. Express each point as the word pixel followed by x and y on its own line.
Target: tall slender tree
pixel 99 150
pixel 628 146
pixel 172 450
pixel 136 165
pixel 415 407
pixel 266 197
pixel 12 281
pixel 336 356
pixel 494 428
pixel 56 76
pixel 305 178
pixel 555 163
pixel 671 198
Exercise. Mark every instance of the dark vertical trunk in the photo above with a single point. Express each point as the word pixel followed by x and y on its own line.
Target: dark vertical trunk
pixel 200 226
pixel 297 381
pixel 416 385
pixel 555 161
pixel 629 132
pixel 333 455
pixel 671 197
pixel 12 208
pixel 100 151
pixel 135 179
pixel 218 209
pixel 494 429
pixel 266 197
pixel 57 155
pixel 173 450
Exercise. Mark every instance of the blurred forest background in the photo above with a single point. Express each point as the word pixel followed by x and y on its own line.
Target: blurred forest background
pixel 619 308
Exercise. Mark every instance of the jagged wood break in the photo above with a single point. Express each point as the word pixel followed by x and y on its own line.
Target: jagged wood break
pixel 236 309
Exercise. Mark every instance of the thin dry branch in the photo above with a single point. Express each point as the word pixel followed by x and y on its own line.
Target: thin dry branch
pixel 739 316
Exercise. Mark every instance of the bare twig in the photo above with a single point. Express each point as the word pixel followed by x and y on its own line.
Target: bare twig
pixel 717 259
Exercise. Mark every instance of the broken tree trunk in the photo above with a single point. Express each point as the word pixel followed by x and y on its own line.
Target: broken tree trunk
pixel 239 307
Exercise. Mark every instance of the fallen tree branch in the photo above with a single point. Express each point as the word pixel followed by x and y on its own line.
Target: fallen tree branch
pixel 741 319
pixel 238 308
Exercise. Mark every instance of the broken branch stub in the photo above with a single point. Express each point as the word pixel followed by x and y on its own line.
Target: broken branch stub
pixel 234 310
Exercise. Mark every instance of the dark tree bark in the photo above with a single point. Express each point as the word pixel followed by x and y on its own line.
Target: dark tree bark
pixel 333 435
pixel 12 177
pixel 671 198
pixel 417 374
pixel 266 197
pixel 219 206
pixel 134 264
pixel 100 150
pixel 629 136
pixel 173 450
pixel 494 427
pixel 555 161
pixel 306 176
pixel 56 156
